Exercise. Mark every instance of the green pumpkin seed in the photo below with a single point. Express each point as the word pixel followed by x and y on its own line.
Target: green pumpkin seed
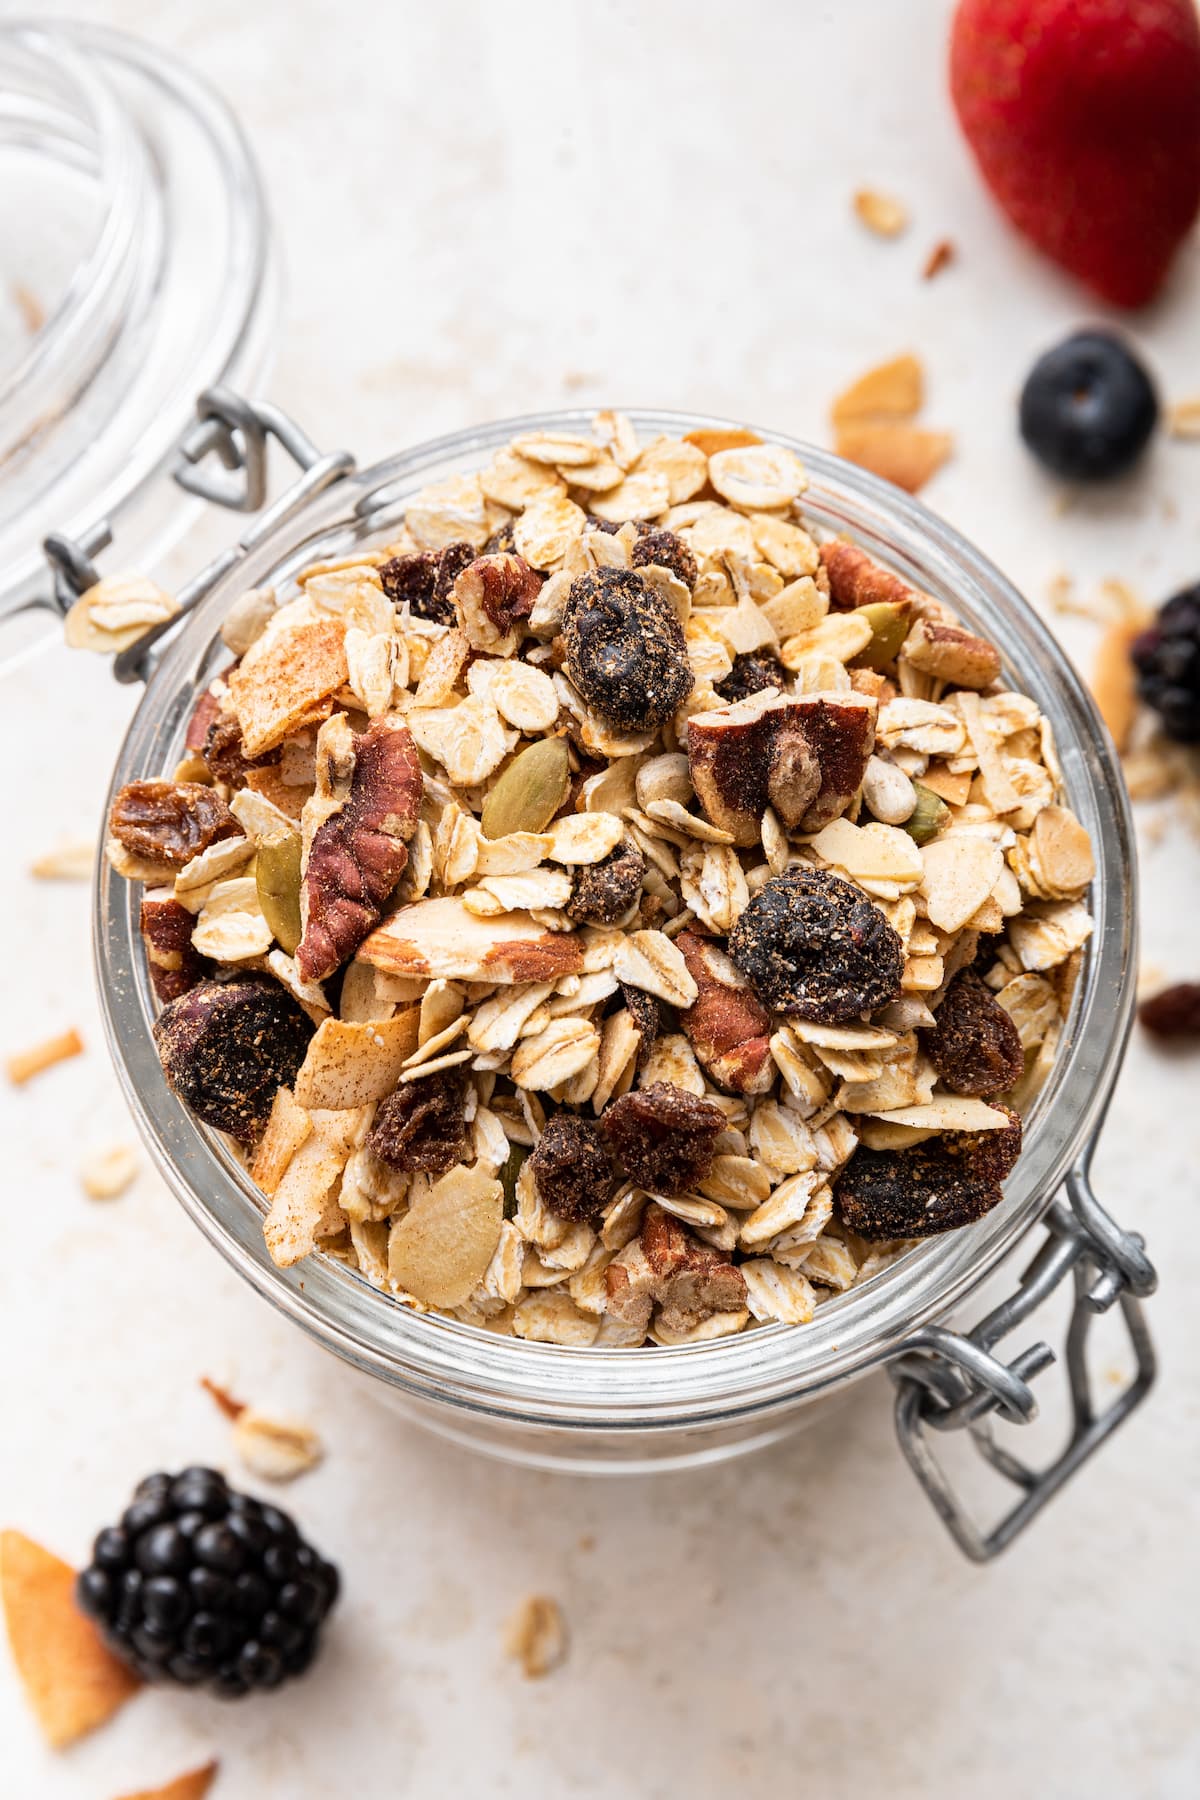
pixel 929 816
pixel 889 622
pixel 277 872
pixel 530 791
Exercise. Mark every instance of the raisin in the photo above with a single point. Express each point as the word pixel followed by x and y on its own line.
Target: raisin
pixel 974 1046
pixel 572 1169
pixel 626 651
pixel 667 551
pixel 935 1186
pixel 169 821
pixel 604 891
pixel 811 945
pixel 1175 1012
pixel 228 1044
pixel 646 1014
pixel 663 1137
pixel 502 542
pixel 167 928
pixel 422 1126
pixel 750 674
pixel 224 754
pixel 426 580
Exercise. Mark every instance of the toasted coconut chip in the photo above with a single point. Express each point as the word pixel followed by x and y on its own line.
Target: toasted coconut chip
pixel 350 1064
pixel 71 1681
pixel 304 1207
pixel 890 390
pixel 193 1785
pixel 287 679
pixel 903 454
pixel 287 1128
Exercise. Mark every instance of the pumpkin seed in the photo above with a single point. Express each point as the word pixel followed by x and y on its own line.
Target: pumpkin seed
pixel 277 873
pixel 928 816
pixel 530 791
pixel 888 620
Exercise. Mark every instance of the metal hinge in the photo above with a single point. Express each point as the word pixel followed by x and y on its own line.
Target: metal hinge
pixel 222 458
pixel 949 1381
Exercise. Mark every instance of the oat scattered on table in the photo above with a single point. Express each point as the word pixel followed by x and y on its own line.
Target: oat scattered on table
pixel 536 1636
pixel 883 214
pixel 105 1173
pixel 22 1065
pixel 68 861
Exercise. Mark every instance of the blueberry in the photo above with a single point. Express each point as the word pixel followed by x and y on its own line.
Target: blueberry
pixel 1088 407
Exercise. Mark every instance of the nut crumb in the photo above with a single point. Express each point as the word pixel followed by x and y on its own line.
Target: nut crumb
pixel 232 1408
pixel 944 252
pixel 106 1173
pixel 536 1636
pixel 68 861
pixel 881 213
pixel 23 1065
pixel 1183 418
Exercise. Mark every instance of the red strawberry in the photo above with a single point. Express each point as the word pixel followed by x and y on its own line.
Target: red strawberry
pixel 1084 116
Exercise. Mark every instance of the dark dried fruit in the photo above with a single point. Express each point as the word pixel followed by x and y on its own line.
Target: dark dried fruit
pixel 572 1169
pixel 1167 659
pixel 663 549
pixel 935 1186
pixel 422 1125
pixel 750 674
pixel 974 1046
pixel 167 928
pixel 626 651
pixel 358 855
pixel 169 821
pixel 228 1045
pixel 426 581
pixel 502 542
pixel 811 945
pixel 646 1014
pixel 604 891
pixel 224 754
pixel 1173 1013
pixel 663 1137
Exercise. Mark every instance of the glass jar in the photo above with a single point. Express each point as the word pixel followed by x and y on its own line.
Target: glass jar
pixel 632 1410
pixel 136 268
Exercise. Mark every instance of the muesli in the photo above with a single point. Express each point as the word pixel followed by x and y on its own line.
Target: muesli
pixel 608 913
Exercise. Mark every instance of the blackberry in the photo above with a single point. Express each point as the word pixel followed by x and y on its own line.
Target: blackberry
pixel 1167 659
pixel 207 1587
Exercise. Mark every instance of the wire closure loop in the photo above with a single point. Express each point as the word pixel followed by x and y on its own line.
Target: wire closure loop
pixel 948 1381
pixel 235 433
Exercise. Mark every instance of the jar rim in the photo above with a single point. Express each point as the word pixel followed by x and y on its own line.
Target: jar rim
pixel 438 1359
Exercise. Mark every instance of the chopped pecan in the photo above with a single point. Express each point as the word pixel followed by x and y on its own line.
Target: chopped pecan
pixel 358 854
pixel 205 711
pixel 646 1013
pixel 805 755
pixel 491 596
pixel 667 1264
pixel 572 1169
pixel 950 654
pixel 663 1137
pixel 422 1125
pixel 169 822
pixel 855 579
pixel 167 934
pixel 727 1027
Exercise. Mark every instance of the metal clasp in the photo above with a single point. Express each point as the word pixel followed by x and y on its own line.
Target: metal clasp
pixel 234 433
pixel 950 1381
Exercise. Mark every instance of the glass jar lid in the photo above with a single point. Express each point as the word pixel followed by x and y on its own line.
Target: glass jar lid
pixel 136 271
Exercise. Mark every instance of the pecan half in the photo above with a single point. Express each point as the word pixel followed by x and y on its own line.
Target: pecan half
pixel 491 596
pixel 666 1264
pixel 167 928
pixel 727 1027
pixel 805 755
pixel 855 579
pixel 169 822
pixel 358 854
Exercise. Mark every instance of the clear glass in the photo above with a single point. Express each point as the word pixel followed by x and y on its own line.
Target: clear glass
pixel 135 270
pixel 622 1409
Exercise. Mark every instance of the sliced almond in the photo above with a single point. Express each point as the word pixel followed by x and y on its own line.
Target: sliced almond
pixel 959 874
pixel 947 1112
pixel 442 937
pixel 440 1250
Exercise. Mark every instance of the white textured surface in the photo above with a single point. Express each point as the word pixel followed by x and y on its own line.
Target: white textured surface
pixel 486 209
